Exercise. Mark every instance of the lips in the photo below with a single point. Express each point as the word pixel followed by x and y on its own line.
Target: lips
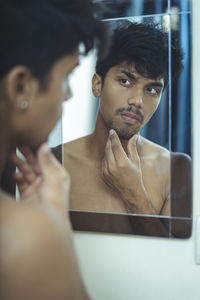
pixel 130 117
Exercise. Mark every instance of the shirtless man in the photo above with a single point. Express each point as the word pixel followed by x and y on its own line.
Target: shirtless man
pixel 115 169
pixel 40 40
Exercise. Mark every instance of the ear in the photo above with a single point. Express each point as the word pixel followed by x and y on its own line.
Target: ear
pixel 20 86
pixel 96 85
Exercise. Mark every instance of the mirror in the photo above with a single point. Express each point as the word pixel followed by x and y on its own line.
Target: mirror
pixel 170 127
pixel 92 208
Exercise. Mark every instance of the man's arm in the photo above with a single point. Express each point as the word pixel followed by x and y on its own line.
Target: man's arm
pixel 123 174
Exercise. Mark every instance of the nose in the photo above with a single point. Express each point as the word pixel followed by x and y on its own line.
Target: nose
pixel 136 97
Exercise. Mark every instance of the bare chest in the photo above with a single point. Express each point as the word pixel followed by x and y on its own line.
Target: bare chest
pixel 90 193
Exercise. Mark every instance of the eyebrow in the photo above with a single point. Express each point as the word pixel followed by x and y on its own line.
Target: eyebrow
pixel 156 84
pixel 128 74
pixel 132 76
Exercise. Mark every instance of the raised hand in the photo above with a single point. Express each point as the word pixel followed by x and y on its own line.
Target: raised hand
pixel 41 178
pixel 123 174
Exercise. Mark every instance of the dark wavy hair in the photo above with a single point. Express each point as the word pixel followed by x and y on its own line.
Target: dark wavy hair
pixel 36 33
pixel 145 46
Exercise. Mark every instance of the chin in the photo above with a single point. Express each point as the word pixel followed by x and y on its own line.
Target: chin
pixel 125 137
pixel 37 146
pixel 33 145
pixel 125 134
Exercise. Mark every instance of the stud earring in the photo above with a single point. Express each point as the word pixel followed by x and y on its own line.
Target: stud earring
pixel 24 104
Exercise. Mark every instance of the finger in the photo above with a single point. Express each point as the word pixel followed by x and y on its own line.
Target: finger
pixel 104 167
pixel 25 189
pixel 105 173
pixel 17 161
pixel 117 148
pixel 29 190
pixel 23 167
pixel 18 177
pixel 21 184
pixel 132 148
pixel 56 180
pixel 109 156
pixel 30 157
pixel 48 163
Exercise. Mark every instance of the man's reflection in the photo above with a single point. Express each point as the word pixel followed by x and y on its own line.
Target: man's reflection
pixel 115 169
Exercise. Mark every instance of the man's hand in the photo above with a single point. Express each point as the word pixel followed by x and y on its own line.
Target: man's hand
pixel 123 174
pixel 41 178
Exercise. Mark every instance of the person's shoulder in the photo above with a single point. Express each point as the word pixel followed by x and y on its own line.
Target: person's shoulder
pixel 174 160
pixel 24 218
pixel 75 151
pixel 75 145
pixel 155 151
pixel 72 150
pixel 30 222
pixel 31 244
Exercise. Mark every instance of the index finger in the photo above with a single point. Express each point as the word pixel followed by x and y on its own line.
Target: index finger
pixel 132 148
pixel 30 157
pixel 24 167
pixel 116 145
pixel 109 156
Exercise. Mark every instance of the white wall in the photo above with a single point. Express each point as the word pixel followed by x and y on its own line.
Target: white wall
pixel 118 267
pixel 78 111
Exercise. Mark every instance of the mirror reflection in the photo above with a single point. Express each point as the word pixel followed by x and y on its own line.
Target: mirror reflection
pixel 129 83
pixel 131 163
pixel 123 171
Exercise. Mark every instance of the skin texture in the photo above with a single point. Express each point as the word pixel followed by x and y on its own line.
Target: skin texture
pixel 123 172
pixel 37 256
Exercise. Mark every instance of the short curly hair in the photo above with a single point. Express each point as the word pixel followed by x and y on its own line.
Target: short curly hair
pixel 145 46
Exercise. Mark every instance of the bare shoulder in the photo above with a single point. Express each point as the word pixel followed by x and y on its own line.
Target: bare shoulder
pixel 28 222
pixel 75 145
pixel 32 252
pixel 156 152
pixel 164 159
pixel 76 150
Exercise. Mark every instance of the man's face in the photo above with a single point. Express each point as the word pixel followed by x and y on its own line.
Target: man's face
pixel 128 99
pixel 45 107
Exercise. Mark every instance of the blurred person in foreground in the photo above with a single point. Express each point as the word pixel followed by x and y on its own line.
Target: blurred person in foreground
pixel 39 50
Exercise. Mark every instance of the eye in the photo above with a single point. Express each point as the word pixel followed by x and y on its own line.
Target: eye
pixel 153 91
pixel 125 82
